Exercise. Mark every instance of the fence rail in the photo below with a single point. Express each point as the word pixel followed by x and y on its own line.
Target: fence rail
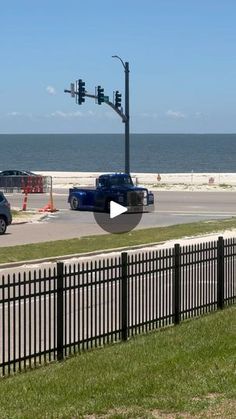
pixel 29 184
pixel 48 314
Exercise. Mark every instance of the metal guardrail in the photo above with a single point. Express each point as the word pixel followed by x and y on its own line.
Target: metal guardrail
pixel 29 184
pixel 49 314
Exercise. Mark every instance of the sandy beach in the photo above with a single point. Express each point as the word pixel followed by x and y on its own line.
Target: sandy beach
pixel 155 181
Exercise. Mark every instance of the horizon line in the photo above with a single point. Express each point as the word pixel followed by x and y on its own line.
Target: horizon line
pixel 117 133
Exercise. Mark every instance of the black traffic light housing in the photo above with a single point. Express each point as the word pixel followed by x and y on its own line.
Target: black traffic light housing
pixel 117 99
pixel 81 97
pixel 100 95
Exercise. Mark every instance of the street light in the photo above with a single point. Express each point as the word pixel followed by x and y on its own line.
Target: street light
pixel 127 140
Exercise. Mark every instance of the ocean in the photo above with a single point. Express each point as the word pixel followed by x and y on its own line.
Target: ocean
pixel 154 153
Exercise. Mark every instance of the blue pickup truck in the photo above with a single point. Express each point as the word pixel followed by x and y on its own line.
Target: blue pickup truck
pixel 117 187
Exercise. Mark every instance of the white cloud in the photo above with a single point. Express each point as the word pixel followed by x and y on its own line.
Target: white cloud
pixel 110 115
pixel 51 90
pixel 152 115
pixel 14 113
pixel 91 113
pixel 175 114
pixel 61 114
pixel 199 115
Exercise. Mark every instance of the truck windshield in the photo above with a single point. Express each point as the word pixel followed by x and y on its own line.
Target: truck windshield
pixel 121 181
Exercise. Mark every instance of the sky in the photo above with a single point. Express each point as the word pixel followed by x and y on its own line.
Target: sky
pixel 181 54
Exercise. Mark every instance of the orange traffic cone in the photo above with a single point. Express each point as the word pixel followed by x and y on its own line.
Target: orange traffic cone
pixel 24 207
pixel 51 207
pixel 48 208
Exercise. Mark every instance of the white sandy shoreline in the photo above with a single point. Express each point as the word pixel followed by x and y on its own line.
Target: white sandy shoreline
pixel 155 181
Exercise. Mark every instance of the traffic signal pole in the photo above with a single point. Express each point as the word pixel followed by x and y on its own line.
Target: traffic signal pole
pixel 80 92
pixel 127 142
pixel 126 119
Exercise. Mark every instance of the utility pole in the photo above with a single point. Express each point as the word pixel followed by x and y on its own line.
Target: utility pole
pixel 79 92
pixel 126 120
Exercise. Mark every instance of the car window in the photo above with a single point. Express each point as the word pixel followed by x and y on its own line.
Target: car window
pixel 102 182
pixel 121 180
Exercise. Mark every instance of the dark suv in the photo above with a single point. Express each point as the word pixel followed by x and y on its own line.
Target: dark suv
pixel 5 213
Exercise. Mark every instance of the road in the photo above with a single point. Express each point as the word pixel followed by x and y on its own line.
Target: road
pixel 171 208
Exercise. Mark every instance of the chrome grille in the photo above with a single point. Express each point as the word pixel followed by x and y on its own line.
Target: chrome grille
pixel 135 198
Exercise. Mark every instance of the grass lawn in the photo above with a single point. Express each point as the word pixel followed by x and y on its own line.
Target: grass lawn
pixel 184 371
pixel 21 215
pixel 108 241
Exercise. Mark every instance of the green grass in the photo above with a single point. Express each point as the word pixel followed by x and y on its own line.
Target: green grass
pixel 21 214
pixel 108 241
pixel 14 213
pixel 225 186
pixel 190 369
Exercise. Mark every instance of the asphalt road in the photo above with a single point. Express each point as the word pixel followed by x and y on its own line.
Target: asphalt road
pixel 170 208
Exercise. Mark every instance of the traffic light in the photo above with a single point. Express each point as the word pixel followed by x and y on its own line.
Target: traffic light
pixel 72 90
pixel 100 95
pixel 81 98
pixel 117 99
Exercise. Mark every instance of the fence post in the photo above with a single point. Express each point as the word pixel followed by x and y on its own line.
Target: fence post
pixel 176 284
pixel 60 311
pixel 124 302
pixel 220 273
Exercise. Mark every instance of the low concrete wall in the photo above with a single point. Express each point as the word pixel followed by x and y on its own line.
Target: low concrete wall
pixel 89 178
pixel 187 178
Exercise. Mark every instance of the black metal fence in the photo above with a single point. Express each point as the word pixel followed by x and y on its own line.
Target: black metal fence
pixel 51 313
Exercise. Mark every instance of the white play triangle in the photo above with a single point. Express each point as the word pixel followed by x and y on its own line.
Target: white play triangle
pixel 116 209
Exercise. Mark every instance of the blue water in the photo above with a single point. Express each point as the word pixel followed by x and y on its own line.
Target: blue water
pixel 158 153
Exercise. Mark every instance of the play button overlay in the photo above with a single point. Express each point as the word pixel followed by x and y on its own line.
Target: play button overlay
pixel 117 219
pixel 116 209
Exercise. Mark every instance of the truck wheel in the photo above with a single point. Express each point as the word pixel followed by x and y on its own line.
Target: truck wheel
pixel 3 225
pixel 74 203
